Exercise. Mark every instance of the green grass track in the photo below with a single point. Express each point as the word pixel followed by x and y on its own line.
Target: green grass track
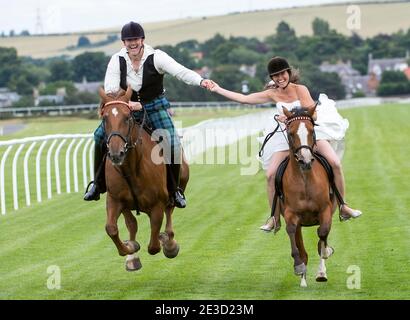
pixel 223 254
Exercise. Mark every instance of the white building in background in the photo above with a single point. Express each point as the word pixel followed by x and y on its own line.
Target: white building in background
pixel 351 78
pixel 7 97
pixel 86 86
pixel 378 66
pixel 56 99
pixel 249 70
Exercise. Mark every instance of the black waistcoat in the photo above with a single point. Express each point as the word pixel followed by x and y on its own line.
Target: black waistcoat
pixel 152 81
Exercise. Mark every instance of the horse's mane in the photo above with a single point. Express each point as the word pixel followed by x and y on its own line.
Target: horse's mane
pixel 117 94
pixel 299 111
pixel 112 95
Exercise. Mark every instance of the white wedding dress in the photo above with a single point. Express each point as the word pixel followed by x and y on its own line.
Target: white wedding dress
pixel 331 126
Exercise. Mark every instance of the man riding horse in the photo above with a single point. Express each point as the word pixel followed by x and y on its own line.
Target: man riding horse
pixel 140 66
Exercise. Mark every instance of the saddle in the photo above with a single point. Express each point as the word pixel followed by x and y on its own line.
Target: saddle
pixel 281 170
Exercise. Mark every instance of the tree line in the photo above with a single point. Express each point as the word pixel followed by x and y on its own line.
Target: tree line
pixel 223 56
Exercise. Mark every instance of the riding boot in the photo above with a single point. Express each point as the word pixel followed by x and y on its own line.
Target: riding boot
pixel 178 197
pixel 98 186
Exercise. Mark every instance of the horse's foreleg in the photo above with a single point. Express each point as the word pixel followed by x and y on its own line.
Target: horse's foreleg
pixel 155 217
pixel 131 223
pixel 170 246
pixel 323 249
pixel 325 220
pixel 302 252
pixel 111 227
pixel 292 223
pixel 301 247
pixel 132 263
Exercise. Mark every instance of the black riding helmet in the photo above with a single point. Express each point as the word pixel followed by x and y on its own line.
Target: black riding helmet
pixel 132 30
pixel 277 65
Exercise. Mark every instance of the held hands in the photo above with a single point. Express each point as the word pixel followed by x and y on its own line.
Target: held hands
pixel 210 85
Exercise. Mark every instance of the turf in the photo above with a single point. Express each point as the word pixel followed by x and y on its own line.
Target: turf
pixel 223 254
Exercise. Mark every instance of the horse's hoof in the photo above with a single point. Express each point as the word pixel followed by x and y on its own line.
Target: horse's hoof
pixel 133 264
pixel 171 253
pixel 154 250
pixel 133 246
pixel 300 269
pixel 321 277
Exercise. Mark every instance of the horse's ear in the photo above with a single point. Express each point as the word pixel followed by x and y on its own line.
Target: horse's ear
pixel 102 94
pixel 287 113
pixel 128 94
pixel 311 111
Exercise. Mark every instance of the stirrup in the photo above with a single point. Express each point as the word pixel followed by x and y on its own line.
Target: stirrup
pixel 270 225
pixel 181 202
pixel 93 196
pixel 343 217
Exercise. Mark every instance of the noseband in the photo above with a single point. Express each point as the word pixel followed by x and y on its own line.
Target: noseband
pixel 127 140
pixel 300 118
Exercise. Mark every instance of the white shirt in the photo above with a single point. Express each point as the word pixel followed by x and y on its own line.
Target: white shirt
pixel 163 63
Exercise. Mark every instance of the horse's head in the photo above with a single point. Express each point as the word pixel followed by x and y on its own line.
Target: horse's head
pixel 118 122
pixel 301 135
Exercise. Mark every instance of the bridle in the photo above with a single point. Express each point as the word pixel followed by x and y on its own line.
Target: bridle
pixel 131 122
pixel 303 146
pixel 128 143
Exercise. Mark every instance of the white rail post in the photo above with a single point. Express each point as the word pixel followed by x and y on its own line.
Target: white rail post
pixel 91 162
pixel 2 191
pixel 75 167
pixel 48 168
pixel 26 176
pixel 57 167
pixel 38 170
pixel 14 175
pixel 85 179
pixel 67 166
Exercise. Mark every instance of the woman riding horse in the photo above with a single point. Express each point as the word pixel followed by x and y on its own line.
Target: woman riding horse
pixel 305 197
pixel 288 94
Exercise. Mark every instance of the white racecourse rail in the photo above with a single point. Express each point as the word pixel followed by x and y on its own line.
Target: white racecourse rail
pixel 53 144
pixel 75 148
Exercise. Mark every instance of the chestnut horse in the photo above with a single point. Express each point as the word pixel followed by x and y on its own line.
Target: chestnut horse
pixel 308 200
pixel 135 181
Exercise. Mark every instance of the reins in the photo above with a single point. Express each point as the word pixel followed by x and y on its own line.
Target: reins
pixel 270 135
pixel 127 139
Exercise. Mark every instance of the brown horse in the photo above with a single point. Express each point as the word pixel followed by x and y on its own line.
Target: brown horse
pixel 308 200
pixel 135 181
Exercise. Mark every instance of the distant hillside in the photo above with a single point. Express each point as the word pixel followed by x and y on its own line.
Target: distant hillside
pixel 375 19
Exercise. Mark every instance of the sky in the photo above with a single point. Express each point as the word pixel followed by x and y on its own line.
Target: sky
pixel 59 16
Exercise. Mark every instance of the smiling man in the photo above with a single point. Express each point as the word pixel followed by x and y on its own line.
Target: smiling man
pixel 143 68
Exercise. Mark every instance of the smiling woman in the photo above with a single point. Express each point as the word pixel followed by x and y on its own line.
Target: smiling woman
pixel 290 95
